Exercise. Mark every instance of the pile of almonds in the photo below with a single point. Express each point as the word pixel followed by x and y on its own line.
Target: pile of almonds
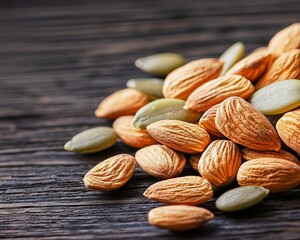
pixel 230 117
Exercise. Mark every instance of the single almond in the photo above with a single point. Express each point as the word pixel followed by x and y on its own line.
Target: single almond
pixel 217 90
pixel 184 80
pixel 253 66
pixel 207 121
pixel 285 40
pixel 288 128
pixel 220 162
pixel 239 121
pixel 179 135
pixel 275 174
pixel 287 66
pixel 194 160
pixel 123 102
pixel 111 173
pixel 179 217
pixel 189 190
pixel 133 137
pixel 250 154
pixel 160 161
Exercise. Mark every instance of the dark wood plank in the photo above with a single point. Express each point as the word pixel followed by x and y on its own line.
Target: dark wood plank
pixel 58 59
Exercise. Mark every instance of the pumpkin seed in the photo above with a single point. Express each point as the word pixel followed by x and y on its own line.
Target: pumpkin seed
pixel 160 64
pixel 278 97
pixel 150 86
pixel 231 56
pixel 92 140
pixel 163 109
pixel 241 198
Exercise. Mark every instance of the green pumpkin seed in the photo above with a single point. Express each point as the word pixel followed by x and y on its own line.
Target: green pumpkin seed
pixel 241 198
pixel 231 56
pixel 160 64
pixel 150 86
pixel 92 140
pixel 163 109
pixel 278 97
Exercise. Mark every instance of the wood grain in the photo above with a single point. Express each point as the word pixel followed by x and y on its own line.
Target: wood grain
pixel 58 59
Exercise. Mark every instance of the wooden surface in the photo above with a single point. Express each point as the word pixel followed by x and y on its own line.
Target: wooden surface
pixel 57 61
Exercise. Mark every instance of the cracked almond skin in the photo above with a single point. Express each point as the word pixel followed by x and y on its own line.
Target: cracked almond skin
pixel 179 135
pixel 250 154
pixel 189 190
pixel 276 175
pixel 253 66
pixel 160 161
pixel 207 121
pixel 239 121
pixel 220 162
pixel 287 66
pixel 133 137
pixel 285 40
pixel 111 173
pixel 288 128
pixel 217 90
pixel 123 102
pixel 184 80
pixel 179 217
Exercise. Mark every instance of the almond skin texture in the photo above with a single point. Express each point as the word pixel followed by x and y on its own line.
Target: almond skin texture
pixel 220 162
pixel 253 66
pixel 239 121
pixel 217 90
pixel 287 66
pixel 277 175
pixel 111 173
pixel 207 121
pixel 184 80
pixel 194 160
pixel 250 154
pixel 133 137
pixel 285 40
pixel 160 161
pixel 189 190
pixel 288 128
pixel 123 102
pixel 179 135
pixel 179 217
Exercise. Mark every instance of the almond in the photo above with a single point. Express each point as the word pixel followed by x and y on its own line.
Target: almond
pixel 189 190
pixel 123 102
pixel 184 80
pixel 239 121
pixel 207 121
pixel 111 173
pixel 194 160
pixel 160 161
pixel 288 128
pixel 253 66
pixel 179 135
pixel 133 137
pixel 220 162
pixel 217 90
pixel 179 217
pixel 287 66
pixel 285 40
pixel 250 154
pixel 275 174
